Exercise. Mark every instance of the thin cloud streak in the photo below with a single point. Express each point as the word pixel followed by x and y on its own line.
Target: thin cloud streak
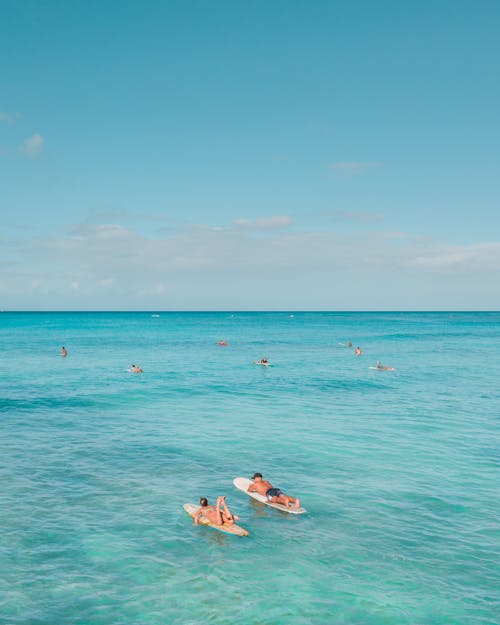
pixel 33 145
pixel 466 256
pixel 265 223
pixel 9 118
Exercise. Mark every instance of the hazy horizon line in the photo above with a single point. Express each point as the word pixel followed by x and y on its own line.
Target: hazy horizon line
pixel 283 310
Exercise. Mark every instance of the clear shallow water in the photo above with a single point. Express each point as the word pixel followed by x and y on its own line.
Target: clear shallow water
pixel 399 470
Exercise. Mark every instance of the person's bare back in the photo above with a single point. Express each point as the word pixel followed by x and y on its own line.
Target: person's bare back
pixel 260 486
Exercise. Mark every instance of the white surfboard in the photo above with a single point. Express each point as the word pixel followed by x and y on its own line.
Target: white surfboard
pixel 264 364
pixel 226 528
pixel 242 483
pixel 383 368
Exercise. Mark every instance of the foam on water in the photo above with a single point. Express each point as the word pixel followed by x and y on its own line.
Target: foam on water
pixel 399 471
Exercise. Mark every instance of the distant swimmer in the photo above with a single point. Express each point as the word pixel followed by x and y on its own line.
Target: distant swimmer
pixel 218 514
pixel 64 352
pixel 358 351
pixel 273 495
pixel 135 368
pixel 264 362
pixel 379 365
pixel 349 344
pixel 223 343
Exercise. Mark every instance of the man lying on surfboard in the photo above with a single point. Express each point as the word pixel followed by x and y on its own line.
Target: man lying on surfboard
pixel 218 514
pixel 274 495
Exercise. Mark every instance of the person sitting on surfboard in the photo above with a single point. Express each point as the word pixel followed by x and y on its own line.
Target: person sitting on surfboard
pixel 379 365
pixel 358 351
pixel 215 514
pixel 273 495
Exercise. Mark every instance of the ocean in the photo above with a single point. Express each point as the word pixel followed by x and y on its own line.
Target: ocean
pixel 398 470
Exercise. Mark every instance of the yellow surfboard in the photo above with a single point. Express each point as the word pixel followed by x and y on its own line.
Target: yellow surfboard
pixel 226 528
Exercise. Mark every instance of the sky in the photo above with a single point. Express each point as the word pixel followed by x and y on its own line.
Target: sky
pixel 244 155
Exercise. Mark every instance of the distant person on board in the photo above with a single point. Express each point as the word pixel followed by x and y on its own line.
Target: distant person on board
pixel 358 351
pixel 379 365
pixel 273 495
pixel 262 361
pixel 64 352
pixel 218 514
pixel 135 368
pixel 349 344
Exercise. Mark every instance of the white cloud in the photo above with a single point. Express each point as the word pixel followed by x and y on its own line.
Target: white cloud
pixel 9 118
pixel 111 231
pixel 154 290
pixel 235 267
pixel 33 145
pixel 190 262
pixel 352 167
pixel 265 223
pixel 467 256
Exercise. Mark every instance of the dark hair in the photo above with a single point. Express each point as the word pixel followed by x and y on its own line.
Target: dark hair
pixel 203 502
pixel 256 475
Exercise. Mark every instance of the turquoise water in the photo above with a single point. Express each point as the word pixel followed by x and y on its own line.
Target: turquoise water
pixel 399 471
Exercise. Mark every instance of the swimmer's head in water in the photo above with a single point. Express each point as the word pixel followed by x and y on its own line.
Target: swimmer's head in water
pixel 203 502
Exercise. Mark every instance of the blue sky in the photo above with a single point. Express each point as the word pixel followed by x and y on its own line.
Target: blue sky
pixel 249 155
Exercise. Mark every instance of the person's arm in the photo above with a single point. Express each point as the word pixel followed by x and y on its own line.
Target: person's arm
pixel 252 488
pixel 197 516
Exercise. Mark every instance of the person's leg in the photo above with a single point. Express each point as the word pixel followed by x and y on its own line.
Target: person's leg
pixel 218 514
pixel 227 515
pixel 294 500
pixel 283 500
pixel 286 500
